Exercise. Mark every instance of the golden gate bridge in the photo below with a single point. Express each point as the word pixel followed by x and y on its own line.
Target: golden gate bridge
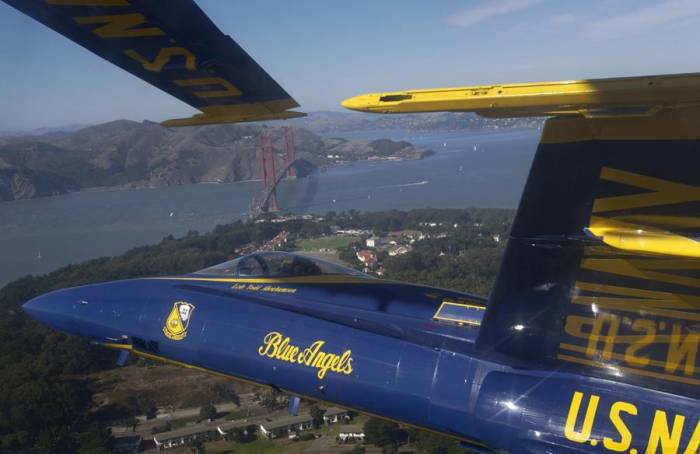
pixel 273 170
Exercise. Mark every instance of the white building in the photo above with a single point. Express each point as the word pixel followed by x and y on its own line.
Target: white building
pixel 373 242
pixel 400 250
pixel 335 415
pixel 283 427
pixel 180 437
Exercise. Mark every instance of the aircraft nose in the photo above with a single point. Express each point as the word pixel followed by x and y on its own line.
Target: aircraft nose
pixel 53 309
pixel 38 306
pixel 91 311
pixel 32 307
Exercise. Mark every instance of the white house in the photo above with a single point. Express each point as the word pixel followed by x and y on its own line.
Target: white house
pixel 286 426
pixel 180 437
pixel 373 242
pixel 335 415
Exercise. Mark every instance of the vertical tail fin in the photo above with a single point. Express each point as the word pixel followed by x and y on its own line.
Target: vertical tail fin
pixel 602 271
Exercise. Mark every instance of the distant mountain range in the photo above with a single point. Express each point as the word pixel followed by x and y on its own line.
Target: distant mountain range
pixel 128 154
pixel 329 122
pixel 47 130
pixel 326 121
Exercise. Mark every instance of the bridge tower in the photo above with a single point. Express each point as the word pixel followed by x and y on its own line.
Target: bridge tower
pixel 269 174
pixel 291 152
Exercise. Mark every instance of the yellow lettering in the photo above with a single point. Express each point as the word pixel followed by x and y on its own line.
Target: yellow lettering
pixel 642 269
pixel 596 336
pixel 663 192
pixel 575 324
pixel 120 26
pixel 570 428
pixel 669 440
pixel 276 346
pixel 164 56
pixel 312 351
pixel 625 440
pixel 694 444
pixel 682 347
pixel 335 365
pixel 229 90
pixel 270 344
pixel 630 354
pixel 651 301
pixel 326 364
pixel 318 362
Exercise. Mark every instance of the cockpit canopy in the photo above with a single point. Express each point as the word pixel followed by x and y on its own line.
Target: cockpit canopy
pixel 279 264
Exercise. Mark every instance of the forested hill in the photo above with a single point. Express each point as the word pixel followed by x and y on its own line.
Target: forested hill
pixel 45 405
pixel 127 154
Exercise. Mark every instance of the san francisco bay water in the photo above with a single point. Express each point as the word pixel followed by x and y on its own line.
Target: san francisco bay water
pixel 470 169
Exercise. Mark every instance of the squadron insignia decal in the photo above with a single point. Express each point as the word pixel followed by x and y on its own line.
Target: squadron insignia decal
pixel 178 321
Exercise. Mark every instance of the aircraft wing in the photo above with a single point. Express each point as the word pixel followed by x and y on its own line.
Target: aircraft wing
pixel 174 46
pixel 625 96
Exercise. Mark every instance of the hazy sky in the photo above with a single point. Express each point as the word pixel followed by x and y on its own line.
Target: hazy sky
pixel 322 51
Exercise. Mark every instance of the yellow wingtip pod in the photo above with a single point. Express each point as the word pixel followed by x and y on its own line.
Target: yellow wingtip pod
pixel 647 241
pixel 629 96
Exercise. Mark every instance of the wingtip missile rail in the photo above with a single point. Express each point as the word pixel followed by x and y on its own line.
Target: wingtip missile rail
pixel 629 96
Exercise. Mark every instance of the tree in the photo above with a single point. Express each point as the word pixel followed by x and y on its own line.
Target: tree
pixel 207 412
pixel 382 433
pixel 356 450
pixel 226 392
pixel 392 448
pixel 317 415
pixel 97 440
pixel 151 411
pixel 429 443
pixel 196 447
pixel 55 440
pixel 131 422
pixel 270 399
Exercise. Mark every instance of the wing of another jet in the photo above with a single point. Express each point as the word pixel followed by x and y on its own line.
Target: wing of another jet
pixel 624 96
pixel 174 46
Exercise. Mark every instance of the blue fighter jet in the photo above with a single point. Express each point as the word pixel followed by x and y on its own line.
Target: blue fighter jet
pixel 590 339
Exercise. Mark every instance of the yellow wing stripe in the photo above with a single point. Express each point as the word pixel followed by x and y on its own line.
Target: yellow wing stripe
pixel 282 280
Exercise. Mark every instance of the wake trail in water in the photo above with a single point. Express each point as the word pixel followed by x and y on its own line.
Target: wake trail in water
pixel 405 185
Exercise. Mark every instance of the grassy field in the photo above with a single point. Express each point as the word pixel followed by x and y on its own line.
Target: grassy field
pixel 163 385
pixel 257 447
pixel 325 242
